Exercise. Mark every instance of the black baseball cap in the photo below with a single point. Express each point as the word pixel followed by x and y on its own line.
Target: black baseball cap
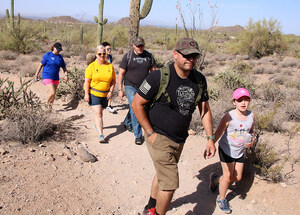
pixel 58 46
pixel 139 41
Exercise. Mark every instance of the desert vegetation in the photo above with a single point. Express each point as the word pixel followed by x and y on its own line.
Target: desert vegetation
pixel 258 57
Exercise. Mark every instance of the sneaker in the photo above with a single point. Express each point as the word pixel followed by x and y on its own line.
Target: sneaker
pixel 151 211
pixel 139 140
pixel 223 205
pixel 101 138
pixel 128 128
pixel 110 109
pixel 212 185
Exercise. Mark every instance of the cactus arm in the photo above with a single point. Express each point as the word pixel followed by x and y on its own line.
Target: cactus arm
pixel 96 19
pixel 104 21
pixel 7 17
pixel 146 8
pixel 12 14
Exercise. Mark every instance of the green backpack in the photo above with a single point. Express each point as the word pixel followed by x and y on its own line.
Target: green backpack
pixel 164 81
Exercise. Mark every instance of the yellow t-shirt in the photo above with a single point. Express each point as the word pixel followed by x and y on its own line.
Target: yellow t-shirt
pixel 101 77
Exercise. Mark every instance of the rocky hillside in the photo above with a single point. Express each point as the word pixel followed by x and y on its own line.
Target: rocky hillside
pixel 63 19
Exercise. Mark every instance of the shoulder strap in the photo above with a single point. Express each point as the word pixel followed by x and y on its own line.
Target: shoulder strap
pixel 164 81
pixel 129 57
pixel 200 86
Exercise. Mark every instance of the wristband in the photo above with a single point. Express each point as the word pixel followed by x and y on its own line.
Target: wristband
pixel 121 90
pixel 211 137
pixel 151 133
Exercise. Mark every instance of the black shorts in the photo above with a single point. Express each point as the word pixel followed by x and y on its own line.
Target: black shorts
pixel 95 100
pixel 227 159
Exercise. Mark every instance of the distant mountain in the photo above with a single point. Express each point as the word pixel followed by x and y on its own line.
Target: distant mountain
pixel 229 29
pixel 63 19
pixel 124 21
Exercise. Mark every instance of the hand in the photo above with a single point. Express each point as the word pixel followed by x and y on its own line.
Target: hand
pixel 121 94
pixel 152 138
pixel 250 144
pixel 210 149
pixel 36 78
pixel 109 95
pixel 87 97
pixel 66 78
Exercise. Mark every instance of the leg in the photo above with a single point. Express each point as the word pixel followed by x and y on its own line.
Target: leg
pixel 127 120
pixel 163 201
pixel 238 172
pixel 224 181
pixel 137 129
pixel 51 96
pixel 98 113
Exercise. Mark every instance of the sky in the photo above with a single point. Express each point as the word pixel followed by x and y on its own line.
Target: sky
pixel 164 12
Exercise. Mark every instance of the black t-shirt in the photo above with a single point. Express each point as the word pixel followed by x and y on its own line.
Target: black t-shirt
pixel 173 120
pixel 137 67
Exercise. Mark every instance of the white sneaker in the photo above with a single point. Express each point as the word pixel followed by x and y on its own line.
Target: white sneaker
pixel 110 109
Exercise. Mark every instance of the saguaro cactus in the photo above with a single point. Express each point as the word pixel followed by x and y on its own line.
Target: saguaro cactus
pixel 10 17
pixel 81 35
pixel 99 20
pixel 135 17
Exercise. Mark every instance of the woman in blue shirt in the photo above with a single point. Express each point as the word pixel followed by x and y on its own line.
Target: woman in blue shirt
pixel 52 61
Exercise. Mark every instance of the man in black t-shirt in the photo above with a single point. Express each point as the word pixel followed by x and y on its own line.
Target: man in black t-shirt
pixel 134 68
pixel 166 123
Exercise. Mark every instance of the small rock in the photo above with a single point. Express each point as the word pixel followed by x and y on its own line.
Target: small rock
pixel 191 132
pixel 253 202
pixel 31 150
pixel 86 156
pixel 3 151
pixel 283 185
pixel 42 145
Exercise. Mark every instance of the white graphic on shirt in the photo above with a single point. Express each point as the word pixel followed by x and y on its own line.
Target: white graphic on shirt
pixel 145 87
pixel 52 58
pixel 185 99
pixel 139 60
pixel 240 137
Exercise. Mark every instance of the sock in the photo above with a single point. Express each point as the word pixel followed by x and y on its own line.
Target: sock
pixel 151 203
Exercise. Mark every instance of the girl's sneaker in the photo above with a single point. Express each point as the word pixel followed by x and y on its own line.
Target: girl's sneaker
pixel 223 205
pixel 101 138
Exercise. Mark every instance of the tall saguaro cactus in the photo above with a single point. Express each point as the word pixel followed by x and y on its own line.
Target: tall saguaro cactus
pixel 135 17
pixel 10 17
pixel 99 20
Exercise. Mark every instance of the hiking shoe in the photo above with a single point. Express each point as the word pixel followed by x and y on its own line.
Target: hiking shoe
pixel 151 211
pixel 213 186
pixel 110 109
pixel 101 138
pixel 139 140
pixel 223 205
pixel 128 128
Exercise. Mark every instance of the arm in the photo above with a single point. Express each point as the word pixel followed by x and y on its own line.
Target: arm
pixel 153 69
pixel 87 89
pixel 222 126
pixel 253 138
pixel 66 73
pixel 206 118
pixel 38 71
pixel 111 89
pixel 140 113
pixel 120 78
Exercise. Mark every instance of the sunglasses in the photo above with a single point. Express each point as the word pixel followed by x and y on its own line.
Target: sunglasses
pixel 140 46
pixel 189 56
pixel 101 54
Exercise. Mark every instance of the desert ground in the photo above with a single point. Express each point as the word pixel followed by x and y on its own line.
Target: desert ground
pixel 51 178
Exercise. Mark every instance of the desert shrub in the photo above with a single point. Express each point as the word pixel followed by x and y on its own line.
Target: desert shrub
pixel 265 69
pixel 262 38
pixel 289 62
pixel 266 162
pixel 121 36
pixel 21 39
pixel 74 87
pixel 233 79
pixel 8 55
pixel 271 92
pixel 16 98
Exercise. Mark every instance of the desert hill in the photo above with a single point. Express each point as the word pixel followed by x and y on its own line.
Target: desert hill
pixel 229 29
pixel 63 19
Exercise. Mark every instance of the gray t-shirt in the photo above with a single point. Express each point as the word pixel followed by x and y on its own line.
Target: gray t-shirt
pixel 236 135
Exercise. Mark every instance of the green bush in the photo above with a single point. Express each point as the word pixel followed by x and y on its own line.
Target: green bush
pixel 74 86
pixel 260 39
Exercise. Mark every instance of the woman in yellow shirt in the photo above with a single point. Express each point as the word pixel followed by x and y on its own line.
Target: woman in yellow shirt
pixel 100 79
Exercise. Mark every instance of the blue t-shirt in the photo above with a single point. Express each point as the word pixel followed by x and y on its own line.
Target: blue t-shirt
pixel 52 64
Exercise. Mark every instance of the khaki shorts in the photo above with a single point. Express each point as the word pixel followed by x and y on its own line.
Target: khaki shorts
pixel 165 155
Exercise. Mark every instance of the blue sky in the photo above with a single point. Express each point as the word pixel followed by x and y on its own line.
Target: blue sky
pixel 164 12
